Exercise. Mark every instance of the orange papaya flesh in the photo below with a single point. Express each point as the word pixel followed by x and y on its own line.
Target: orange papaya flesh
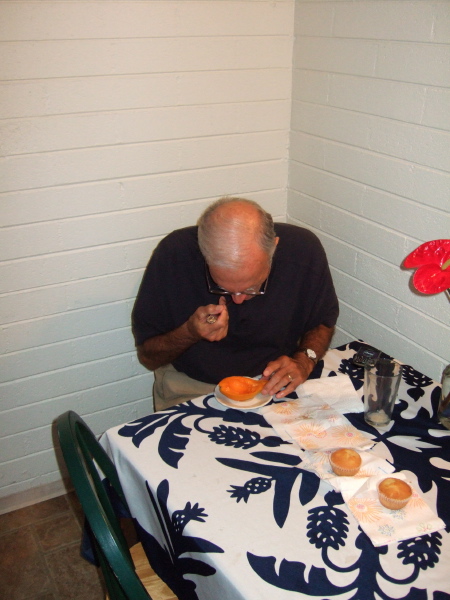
pixel 240 388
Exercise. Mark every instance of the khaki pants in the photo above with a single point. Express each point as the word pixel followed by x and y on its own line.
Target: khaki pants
pixel 172 387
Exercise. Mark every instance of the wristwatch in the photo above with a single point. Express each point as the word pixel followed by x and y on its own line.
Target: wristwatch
pixel 310 354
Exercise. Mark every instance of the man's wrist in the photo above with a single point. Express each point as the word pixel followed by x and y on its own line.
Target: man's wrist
pixel 305 363
pixel 310 353
pixel 190 332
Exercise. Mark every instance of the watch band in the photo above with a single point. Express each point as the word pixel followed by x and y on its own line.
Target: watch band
pixel 310 354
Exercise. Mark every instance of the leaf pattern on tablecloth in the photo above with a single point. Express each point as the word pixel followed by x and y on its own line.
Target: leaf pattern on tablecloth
pixel 353 371
pixel 175 435
pixel 257 485
pixel 282 478
pixel 238 437
pixel 289 575
pixel 328 525
pixel 178 546
pixel 422 553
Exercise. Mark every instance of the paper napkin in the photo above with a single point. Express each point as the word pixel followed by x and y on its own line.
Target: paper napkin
pixel 314 425
pixel 337 391
pixel 371 465
pixel 385 526
pixel 382 525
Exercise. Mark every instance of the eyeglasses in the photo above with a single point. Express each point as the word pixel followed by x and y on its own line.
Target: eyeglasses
pixel 216 289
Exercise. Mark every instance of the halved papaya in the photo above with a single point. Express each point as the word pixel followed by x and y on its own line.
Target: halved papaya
pixel 241 388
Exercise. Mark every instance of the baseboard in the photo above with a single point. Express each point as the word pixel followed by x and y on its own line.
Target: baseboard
pixel 33 496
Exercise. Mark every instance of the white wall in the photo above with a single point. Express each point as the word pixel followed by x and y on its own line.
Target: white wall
pixel 120 121
pixel 370 162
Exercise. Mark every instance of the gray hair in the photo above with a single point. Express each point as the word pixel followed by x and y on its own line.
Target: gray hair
pixel 224 237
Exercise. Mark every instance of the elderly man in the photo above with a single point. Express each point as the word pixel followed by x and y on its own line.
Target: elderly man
pixel 236 295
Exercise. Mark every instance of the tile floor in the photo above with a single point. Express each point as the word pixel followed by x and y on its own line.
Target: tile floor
pixel 40 554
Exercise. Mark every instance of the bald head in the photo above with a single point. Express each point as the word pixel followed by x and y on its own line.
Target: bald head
pixel 232 230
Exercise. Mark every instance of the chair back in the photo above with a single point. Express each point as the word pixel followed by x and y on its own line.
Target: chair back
pixel 90 468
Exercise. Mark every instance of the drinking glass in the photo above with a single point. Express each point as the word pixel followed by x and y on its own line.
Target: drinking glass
pixel 381 382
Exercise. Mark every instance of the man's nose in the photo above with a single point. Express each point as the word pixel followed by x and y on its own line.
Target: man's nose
pixel 239 299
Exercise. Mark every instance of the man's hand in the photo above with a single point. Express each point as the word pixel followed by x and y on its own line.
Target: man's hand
pixel 287 373
pixel 199 326
pixel 165 348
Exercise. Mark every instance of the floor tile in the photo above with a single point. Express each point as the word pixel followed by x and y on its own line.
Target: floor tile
pixel 74 578
pixel 60 531
pixel 75 506
pixel 23 570
pixel 34 513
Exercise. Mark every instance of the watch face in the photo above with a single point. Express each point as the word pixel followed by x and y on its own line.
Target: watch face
pixel 311 354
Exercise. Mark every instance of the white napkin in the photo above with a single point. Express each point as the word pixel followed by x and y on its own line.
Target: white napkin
pixel 278 415
pixel 371 465
pixel 385 526
pixel 337 391
pixel 382 525
pixel 314 425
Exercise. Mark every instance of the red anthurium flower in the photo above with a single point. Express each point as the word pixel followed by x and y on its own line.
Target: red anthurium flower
pixel 433 262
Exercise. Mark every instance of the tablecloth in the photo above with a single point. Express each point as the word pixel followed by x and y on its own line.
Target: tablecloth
pixel 227 512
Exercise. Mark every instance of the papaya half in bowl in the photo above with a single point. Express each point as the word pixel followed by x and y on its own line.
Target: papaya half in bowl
pixel 241 389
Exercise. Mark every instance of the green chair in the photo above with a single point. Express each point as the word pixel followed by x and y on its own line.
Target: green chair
pixel 127 573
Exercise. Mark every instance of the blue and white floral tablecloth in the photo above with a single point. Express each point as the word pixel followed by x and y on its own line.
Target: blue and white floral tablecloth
pixel 226 511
